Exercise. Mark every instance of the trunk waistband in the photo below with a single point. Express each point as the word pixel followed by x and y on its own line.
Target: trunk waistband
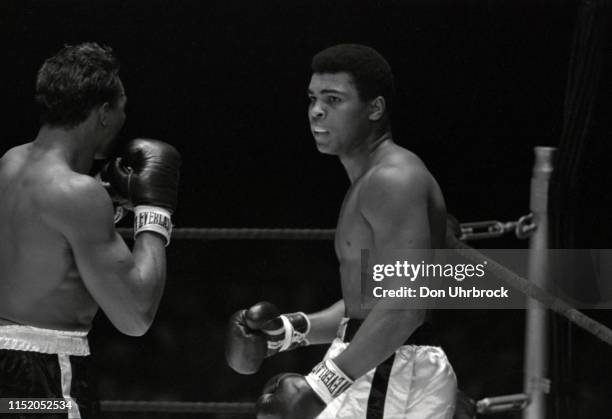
pixel 47 341
pixel 423 336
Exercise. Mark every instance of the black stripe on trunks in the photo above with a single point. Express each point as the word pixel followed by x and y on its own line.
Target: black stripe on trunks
pixel 378 390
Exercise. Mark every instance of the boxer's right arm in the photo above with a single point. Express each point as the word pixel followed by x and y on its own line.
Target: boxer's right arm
pixel 146 175
pixel 127 285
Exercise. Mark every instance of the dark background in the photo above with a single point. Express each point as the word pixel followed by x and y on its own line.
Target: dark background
pixel 480 83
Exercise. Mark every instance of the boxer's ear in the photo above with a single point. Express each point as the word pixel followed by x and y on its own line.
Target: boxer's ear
pixel 103 113
pixel 378 107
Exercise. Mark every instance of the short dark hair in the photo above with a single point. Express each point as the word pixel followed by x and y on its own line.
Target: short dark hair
pixel 370 71
pixel 74 81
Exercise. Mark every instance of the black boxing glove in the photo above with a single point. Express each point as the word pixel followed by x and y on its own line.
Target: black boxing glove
pixel 246 346
pixel 288 396
pixel 147 175
pixel 260 332
pixel 293 396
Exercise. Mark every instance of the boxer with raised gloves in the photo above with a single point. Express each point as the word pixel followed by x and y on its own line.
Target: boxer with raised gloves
pixel 146 174
pixel 260 332
pixel 62 258
pixel 293 396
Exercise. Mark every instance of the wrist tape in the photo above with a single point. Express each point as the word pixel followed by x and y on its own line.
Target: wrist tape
pixel 286 337
pixel 328 381
pixel 154 219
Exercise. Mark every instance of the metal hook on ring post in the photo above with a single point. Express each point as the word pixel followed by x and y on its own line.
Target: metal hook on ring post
pixel 488 229
pixel 507 403
pixel 525 226
pixel 479 230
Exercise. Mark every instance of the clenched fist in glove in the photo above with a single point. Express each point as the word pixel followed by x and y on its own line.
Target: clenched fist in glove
pixel 146 174
pixel 293 396
pixel 260 332
pixel 288 396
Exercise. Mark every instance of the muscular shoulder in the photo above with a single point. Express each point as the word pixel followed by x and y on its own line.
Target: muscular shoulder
pixel 74 197
pixel 15 152
pixel 399 177
pixel 395 199
pixel 13 158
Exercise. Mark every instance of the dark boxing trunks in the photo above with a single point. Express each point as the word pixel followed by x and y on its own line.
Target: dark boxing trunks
pixel 423 335
pixel 40 363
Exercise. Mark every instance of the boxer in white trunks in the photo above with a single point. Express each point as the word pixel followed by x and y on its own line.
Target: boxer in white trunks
pixel 383 361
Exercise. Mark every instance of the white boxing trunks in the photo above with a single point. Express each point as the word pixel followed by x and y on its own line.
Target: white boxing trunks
pixel 416 382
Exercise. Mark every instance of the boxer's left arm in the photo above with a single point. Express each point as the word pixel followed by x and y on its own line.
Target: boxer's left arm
pixel 324 323
pixel 262 331
pixel 394 202
pixel 395 205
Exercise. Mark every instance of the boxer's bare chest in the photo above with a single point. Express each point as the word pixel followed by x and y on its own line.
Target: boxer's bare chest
pixel 353 234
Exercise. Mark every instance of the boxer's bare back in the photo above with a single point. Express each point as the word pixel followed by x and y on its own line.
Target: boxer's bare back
pixel 41 285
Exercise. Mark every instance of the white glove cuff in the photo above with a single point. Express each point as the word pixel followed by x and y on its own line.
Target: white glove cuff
pixel 154 219
pixel 307 323
pixel 289 331
pixel 293 336
pixel 328 381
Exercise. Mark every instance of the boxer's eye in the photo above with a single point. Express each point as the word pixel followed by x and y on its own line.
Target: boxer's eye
pixel 333 100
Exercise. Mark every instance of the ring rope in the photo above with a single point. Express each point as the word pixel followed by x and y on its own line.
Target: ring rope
pixel 245 233
pixel 531 290
pixel 176 407
pixel 484 406
pixel 517 282
pixel 477 230
pixel 512 279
